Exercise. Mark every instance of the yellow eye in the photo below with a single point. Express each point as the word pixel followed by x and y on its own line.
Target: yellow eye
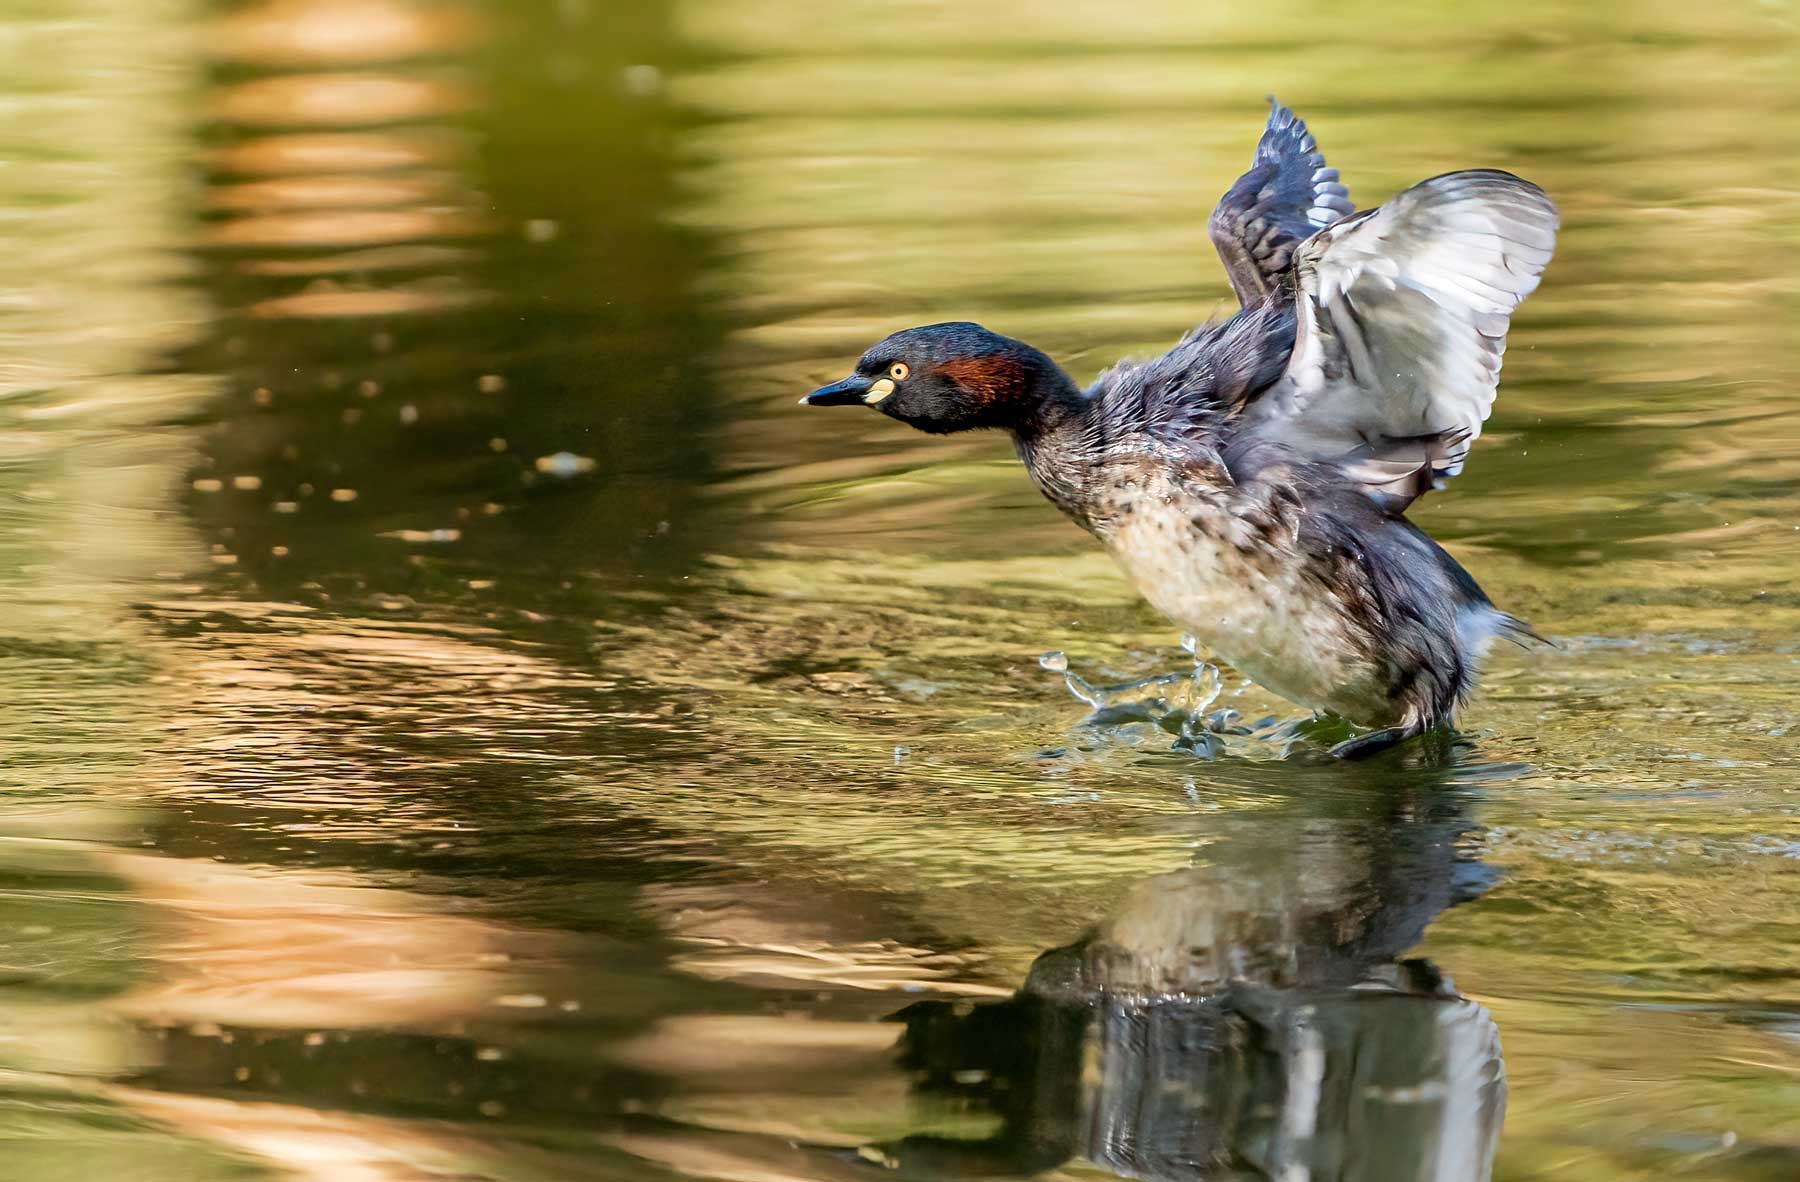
pixel 898 371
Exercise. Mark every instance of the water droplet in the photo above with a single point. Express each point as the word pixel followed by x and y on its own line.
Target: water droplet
pixel 424 535
pixel 1190 642
pixel 565 464
pixel 641 81
pixel 1055 662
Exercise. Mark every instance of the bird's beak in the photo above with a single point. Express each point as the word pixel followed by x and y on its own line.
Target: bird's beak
pixel 849 392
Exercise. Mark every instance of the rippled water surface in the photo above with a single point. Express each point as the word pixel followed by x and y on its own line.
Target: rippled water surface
pixel 460 719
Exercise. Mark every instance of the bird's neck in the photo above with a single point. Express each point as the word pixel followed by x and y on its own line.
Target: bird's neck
pixel 1057 442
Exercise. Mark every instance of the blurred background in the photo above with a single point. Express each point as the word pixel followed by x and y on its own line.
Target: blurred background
pixel 460 720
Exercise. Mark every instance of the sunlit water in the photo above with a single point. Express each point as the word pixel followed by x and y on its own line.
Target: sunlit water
pixel 461 720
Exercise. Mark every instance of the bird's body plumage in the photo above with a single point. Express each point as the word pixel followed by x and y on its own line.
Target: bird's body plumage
pixel 1284 568
pixel 1252 480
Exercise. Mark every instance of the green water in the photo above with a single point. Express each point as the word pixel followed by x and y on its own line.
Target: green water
pixel 459 719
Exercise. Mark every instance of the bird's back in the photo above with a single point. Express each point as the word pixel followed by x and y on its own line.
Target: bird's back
pixel 1189 399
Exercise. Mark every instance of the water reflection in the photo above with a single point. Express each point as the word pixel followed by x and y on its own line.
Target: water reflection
pixel 1245 1018
pixel 283 188
pixel 376 406
pixel 456 378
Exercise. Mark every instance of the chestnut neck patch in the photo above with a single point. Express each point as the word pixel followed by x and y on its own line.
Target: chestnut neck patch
pixel 994 378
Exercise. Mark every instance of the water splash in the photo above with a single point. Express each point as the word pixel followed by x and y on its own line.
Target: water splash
pixel 1172 703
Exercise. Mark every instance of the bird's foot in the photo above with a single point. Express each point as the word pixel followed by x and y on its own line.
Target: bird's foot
pixel 1375 742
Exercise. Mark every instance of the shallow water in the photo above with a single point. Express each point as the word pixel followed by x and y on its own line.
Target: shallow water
pixel 462 720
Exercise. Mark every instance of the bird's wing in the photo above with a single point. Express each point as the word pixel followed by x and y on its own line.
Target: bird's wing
pixel 1402 315
pixel 1287 196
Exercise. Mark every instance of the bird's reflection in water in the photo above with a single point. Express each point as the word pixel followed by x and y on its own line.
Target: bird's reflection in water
pixel 1249 1018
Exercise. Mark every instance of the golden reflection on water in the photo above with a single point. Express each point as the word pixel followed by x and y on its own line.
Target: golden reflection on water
pixel 330 1146
pixel 327 192
pixel 326 99
pixel 327 301
pixel 337 153
pixel 297 33
pixel 295 950
pixel 363 227
pixel 346 191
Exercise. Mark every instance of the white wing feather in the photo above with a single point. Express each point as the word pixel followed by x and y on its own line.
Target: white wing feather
pixel 1403 312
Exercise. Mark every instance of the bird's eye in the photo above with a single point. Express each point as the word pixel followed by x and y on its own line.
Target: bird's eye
pixel 898 371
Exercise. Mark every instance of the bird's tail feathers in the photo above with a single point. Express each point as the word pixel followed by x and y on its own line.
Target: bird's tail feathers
pixel 1519 632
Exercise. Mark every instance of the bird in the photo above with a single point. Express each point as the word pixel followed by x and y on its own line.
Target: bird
pixel 1253 481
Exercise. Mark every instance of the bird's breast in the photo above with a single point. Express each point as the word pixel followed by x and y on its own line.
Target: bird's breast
pixel 1229 568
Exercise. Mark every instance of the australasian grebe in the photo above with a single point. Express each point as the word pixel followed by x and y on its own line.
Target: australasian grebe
pixel 1253 480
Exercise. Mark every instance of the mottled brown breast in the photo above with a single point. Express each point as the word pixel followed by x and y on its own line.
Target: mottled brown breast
pixel 1125 486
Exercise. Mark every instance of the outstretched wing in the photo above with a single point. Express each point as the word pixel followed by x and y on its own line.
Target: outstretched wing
pixel 1287 196
pixel 1402 314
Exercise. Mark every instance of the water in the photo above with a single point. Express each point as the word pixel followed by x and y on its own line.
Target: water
pixel 462 720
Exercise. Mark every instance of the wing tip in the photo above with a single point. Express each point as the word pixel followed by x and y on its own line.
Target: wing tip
pixel 1286 141
pixel 1287 130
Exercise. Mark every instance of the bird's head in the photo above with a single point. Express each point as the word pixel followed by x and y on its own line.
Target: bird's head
pixel 949 377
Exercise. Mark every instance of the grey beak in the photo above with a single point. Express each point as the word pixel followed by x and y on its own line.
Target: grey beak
pixel 848 392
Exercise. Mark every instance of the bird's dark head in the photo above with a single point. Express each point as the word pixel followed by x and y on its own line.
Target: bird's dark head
pixel 951 377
